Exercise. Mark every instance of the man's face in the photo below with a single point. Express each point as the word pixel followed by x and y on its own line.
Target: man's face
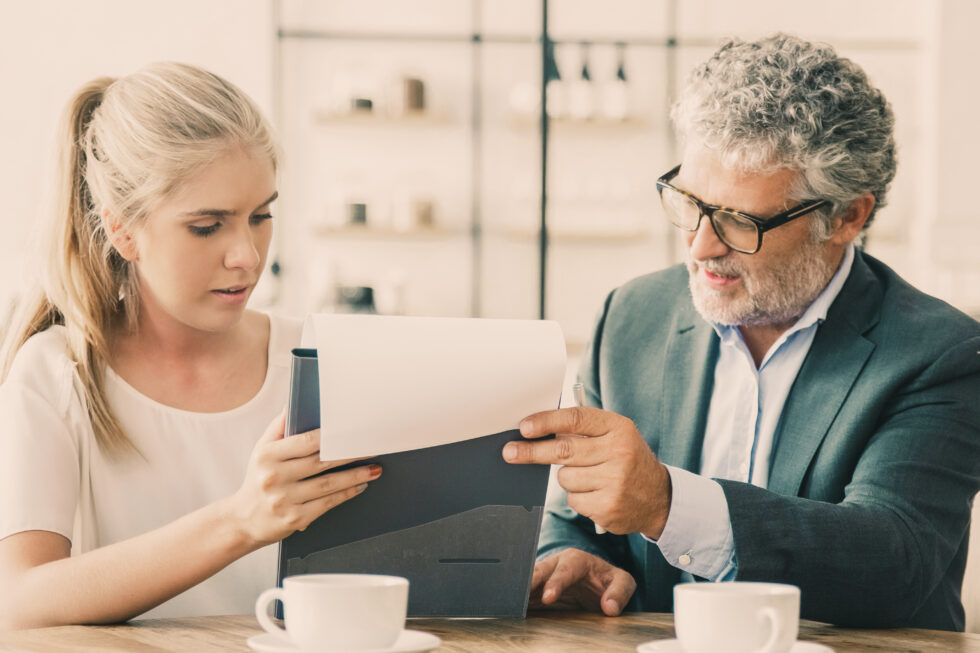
pixel 775 285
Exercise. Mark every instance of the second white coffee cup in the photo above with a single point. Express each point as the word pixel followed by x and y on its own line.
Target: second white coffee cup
pixel 736 617
pixel 338 611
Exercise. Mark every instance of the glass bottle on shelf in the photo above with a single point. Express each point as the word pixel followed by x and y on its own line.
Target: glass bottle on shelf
pixel 580 92
pixel 615 94
pixel 555 87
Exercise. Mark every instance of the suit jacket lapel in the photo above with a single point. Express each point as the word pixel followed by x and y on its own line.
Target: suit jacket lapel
pixel 688 377
pixel 834 362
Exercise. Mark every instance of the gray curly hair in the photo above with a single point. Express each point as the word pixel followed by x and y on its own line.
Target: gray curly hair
pixel 782 102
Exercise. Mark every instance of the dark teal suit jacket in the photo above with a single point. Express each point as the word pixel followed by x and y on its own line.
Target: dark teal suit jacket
pixel 875 462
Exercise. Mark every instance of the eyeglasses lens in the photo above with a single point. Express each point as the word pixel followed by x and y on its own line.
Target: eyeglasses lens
pixel 680 209
pixel 735 231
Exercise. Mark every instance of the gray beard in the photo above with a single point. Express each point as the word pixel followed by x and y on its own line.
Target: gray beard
pixel 776 295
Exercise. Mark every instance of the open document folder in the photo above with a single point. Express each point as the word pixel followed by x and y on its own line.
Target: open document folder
pixel 434 401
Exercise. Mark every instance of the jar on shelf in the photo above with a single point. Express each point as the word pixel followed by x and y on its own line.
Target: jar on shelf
pixel 581 94
pixel 614 100
pixel 408 96
pixel 355 299
pixel 356 92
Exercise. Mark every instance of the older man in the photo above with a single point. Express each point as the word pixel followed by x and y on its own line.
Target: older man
pixel 784 407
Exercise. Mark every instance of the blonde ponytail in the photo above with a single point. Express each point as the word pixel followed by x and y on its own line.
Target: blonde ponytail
pixel 125 145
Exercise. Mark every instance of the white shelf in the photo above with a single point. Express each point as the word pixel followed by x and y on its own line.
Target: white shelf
pixel 580 237
pixel 628 124
pixel 373 233
pixel 364 117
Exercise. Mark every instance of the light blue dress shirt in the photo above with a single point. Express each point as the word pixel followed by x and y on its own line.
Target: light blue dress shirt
pixel 746 403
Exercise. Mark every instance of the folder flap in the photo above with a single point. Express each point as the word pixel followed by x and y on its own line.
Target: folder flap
pixel 425 485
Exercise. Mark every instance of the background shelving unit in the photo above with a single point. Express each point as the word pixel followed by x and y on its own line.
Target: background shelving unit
pixel 383 160
pixel 536 214
pixel 515 218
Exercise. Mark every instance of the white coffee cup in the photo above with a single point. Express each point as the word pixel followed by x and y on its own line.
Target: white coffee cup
pixel 736 617
pixel 338 611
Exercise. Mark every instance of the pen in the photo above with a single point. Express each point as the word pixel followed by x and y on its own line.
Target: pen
pixel 578 391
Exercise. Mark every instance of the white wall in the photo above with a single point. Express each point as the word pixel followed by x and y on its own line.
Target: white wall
pixel 48 48
pixel 952 254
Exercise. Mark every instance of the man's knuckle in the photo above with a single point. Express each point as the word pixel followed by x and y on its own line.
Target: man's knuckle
pixel 563 449
pixel 526 452
pixel 623 448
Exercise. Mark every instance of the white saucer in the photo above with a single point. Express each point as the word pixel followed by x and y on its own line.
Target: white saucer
pixel 674 646
pixel 410 641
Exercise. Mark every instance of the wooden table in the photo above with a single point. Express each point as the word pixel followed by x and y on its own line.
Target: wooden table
pixel 539 633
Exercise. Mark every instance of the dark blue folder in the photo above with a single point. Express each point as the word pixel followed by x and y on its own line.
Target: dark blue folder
pixel 456 520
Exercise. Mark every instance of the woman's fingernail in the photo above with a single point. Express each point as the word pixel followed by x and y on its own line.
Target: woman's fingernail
pixel 375 470
pixel 360 488
pixel 510 451
pixel 525 426
pixel 548 594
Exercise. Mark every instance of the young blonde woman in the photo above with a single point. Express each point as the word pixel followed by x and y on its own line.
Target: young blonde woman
pixel 135 476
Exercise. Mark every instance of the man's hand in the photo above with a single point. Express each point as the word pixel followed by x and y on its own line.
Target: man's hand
pixel 576 580
pixel 611 475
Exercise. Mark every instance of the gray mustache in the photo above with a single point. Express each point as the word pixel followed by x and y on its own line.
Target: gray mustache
pixel 719 267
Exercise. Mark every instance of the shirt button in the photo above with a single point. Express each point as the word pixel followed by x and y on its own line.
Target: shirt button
pixel 684 560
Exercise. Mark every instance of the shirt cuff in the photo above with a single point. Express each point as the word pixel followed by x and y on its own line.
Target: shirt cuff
pixel 697 537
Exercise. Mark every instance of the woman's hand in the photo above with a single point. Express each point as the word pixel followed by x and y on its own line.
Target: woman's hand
pixel 279 496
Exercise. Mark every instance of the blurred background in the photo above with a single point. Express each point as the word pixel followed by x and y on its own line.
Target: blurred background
pixel 417 150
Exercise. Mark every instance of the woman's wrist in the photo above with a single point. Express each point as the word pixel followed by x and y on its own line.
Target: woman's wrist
pixel 231 528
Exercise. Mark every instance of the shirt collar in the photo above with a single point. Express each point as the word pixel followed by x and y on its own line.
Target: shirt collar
pixel 816 312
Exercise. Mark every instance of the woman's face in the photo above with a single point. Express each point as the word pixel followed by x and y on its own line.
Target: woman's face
pixel 199 254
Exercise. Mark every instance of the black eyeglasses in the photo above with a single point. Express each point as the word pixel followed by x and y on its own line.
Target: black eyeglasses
pixel 739 231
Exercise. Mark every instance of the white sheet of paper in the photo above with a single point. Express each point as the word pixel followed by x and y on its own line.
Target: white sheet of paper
pixel 390 384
